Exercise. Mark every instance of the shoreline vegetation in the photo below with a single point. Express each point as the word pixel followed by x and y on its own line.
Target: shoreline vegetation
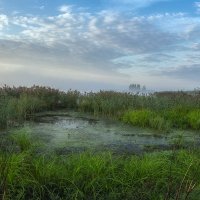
pixel 160 111
pixel 165 175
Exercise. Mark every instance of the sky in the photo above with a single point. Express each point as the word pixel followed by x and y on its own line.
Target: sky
pixel 100 44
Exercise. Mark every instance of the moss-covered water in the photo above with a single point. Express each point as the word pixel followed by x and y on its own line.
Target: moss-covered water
pixel 65 132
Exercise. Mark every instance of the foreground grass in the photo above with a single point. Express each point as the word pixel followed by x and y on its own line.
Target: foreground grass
pixel 166 175
pixel 88 176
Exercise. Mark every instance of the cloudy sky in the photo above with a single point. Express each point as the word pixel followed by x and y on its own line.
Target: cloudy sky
pixel 100 44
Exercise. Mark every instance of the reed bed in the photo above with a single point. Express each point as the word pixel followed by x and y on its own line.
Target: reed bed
pixel 175 109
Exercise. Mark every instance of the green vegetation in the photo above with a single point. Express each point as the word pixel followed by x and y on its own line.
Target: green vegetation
pixel 20 104
pixel 194 119
pixel 146 118
pixel 166 175
pixel 165 120
pixel 161 111
pixel 26 174
pixel 23 139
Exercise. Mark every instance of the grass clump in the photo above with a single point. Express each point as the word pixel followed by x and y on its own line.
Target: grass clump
pixel 177 117
pixel 194 119
pixel 23 139
pixel 146 118
pixel 159 123
pixel 139 117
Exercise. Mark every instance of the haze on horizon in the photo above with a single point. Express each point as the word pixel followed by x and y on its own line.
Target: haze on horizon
pixel 100 44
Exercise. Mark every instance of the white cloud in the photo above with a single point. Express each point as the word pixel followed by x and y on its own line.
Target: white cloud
pixel 3 21
pixel 197 5
pixel 106 46
pixel 65 8
pixel 9 68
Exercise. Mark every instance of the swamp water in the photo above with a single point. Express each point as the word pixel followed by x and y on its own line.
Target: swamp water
pixel 66 132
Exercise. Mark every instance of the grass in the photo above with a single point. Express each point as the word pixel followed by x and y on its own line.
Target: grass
pixel 160 111
pixel 20 104
pixel 23 139
pixel 174 118
pixel 194 119
pixel 166 175
pixel 146 118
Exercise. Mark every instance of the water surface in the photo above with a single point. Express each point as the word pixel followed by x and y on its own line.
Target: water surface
pixel 65 132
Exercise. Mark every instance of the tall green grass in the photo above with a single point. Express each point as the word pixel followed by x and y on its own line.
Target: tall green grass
pixel 161 111
pixel 114 104
pixel 102 176
pixel 165 175
pixel 23 139
pixel 180 118
pixel 194 119
pixel 21 103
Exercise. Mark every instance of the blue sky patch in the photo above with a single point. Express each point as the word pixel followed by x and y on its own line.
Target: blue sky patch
pixel 105 44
